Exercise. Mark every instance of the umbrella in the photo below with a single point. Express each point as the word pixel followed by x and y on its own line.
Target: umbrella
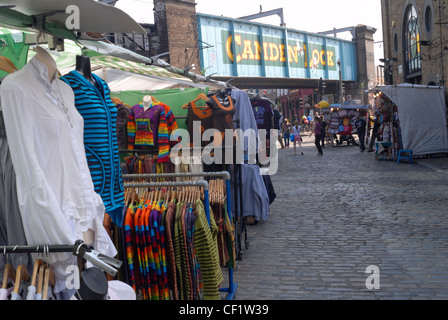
pixel 322 105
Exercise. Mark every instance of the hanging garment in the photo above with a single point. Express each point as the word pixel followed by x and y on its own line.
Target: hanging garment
pixel 122 126
pixel 244 119
pixel 11 227
pixel 263 114
pixel 171 122
pixel 207 253
pixel 171 263
pixel 148 128
pixel 100 140
pixel 223 110
pixel 204 121
pixel 180 251
pixel 164 263
pixel 254 193
pixel 56 196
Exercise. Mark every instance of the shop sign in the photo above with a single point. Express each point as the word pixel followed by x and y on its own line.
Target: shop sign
pixel 274 52
pixel 231 47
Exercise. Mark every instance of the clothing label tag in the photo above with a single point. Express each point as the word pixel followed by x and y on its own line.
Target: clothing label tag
pixel 51 97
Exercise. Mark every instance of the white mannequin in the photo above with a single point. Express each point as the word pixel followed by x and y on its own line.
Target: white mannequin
pixel 44 57
pixel 147 101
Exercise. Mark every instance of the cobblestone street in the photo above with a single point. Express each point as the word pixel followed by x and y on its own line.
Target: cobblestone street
pixel 336 215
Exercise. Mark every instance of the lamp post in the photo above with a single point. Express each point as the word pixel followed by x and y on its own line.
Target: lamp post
pixel 389 79
pixel 341 90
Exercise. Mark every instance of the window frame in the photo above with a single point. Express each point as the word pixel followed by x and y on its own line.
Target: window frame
pixel 411 43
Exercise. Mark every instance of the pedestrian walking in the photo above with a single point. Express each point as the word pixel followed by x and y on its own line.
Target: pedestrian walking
pixel 375 132
pixel 317 135
pixel 297 137
pixel 323 130
pixel 360 125
pixel 286 131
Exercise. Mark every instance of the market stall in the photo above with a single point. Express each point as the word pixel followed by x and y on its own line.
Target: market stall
pixel 413 117
pixel 341 122
pixel 83 194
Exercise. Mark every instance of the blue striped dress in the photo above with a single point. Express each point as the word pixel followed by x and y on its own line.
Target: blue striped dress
pixel 100 140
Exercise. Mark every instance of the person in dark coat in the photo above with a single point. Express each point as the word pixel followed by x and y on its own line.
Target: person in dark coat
pixel 360 125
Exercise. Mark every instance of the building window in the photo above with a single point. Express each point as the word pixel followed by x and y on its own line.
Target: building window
pixel 428 19
pixel 396 43
pixel 412 49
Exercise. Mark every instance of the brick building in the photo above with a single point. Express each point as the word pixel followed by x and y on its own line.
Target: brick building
pixel 415 41
pixel 176 32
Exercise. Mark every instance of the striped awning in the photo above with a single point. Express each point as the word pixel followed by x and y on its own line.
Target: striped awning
pixel 133 67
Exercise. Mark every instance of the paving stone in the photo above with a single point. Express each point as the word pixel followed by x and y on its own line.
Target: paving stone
pixel 336 215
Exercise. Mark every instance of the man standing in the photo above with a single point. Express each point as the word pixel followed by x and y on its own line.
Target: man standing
pixel 323 125
pixel 360 125
pixel 375 132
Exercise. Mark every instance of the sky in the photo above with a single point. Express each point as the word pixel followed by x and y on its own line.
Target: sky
pixel 311 16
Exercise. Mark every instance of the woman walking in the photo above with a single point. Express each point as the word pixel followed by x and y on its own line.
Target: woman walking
pixel 297 137
pixel 318 135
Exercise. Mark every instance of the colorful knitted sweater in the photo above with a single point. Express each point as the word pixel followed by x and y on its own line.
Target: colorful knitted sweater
pixel 149 128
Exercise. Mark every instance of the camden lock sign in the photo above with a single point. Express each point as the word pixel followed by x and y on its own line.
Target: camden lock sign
pixel 275 53
pixel 242 48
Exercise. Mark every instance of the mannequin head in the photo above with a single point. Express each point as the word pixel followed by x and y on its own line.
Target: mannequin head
pixel 147 100
pixel 83 66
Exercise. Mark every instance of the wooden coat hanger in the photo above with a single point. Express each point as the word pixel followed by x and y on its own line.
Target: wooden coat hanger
pixel 21 275
pixel 201 96
pixel 40 280
pixel 116 100
pixel 36 267
pixel 49 281
pixel 8 274
pixel 7 65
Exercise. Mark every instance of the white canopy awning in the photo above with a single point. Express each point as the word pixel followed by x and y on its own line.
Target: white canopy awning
pixel 94 16
pixel 119 80
pixel 422 114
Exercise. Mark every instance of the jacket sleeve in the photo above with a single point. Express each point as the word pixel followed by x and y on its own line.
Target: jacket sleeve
pixel 163 139
pixel 131 130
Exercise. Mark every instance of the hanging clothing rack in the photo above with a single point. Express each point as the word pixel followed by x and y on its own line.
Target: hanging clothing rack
pixel 238 195
pixel 231 290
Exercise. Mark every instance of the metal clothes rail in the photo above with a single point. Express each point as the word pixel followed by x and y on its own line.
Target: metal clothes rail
pixel 79 249
pixel 231 290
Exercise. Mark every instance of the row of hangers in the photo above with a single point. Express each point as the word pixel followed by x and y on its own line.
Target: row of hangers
pixel 163 196
pixel 217 191
pixel 182 194
pixel 42 277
